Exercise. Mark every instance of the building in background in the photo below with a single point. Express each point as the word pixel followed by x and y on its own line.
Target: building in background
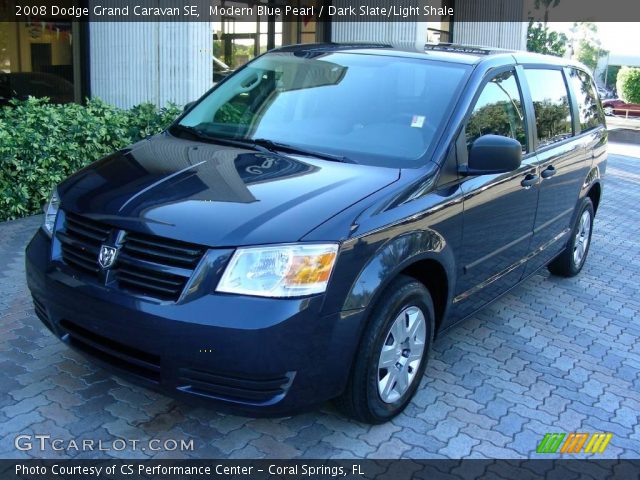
pixel 127 63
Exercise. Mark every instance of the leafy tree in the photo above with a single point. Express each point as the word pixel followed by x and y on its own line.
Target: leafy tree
pixel 585 44
pixel 541 39
pixel 589 53
pixel 628 84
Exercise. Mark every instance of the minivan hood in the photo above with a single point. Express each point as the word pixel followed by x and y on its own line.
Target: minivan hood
pixel 217 195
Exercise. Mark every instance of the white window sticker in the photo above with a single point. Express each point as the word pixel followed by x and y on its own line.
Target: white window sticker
pixel 417 121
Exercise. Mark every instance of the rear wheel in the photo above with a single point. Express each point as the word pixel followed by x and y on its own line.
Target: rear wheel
pixel 393 353
pixel 608 111
pixel 571 260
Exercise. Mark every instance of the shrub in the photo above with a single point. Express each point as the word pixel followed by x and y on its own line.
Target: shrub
pixel 42 143
pixel 628 84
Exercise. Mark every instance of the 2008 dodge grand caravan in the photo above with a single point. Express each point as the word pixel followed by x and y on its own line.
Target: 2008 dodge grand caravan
pixel 303 231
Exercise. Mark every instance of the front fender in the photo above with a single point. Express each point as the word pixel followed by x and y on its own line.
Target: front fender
pixel 392 258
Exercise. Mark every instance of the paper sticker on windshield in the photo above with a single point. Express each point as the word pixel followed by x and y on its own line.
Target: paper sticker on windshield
pixel 417 121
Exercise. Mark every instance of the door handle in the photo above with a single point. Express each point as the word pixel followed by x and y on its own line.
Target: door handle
pixel 548 172
pixel 529 180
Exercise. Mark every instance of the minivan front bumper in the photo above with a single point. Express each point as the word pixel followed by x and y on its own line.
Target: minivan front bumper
pixel 248 354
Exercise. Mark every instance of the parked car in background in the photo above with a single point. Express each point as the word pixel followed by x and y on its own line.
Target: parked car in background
pixel 304 230
pixel 620 107
pixel 220 69
pixel 22 85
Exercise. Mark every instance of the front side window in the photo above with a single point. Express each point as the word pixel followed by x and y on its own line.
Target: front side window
pixel 498 111
pixel 588 104
pixel 373 109
pixel 550 104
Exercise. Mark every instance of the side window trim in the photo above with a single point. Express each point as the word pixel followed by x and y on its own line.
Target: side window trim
pixel 530 116
pixel 573 102
pixel 488 77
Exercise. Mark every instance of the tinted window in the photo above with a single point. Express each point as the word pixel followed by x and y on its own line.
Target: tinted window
pixel 551 105
pixel 376 110
pixel 588 105
pixel 498 111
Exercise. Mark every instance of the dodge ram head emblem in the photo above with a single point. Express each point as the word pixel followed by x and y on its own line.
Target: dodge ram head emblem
pixel 107 256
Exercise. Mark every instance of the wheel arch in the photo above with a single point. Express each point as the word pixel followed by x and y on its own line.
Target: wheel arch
pixel 423 255
pixel 595 193
pixel 591 188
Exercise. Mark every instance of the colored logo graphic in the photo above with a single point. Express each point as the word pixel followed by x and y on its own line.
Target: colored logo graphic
pixel 573 443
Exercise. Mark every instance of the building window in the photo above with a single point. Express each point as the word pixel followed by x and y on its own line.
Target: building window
pixel 38 59
pixel 440 31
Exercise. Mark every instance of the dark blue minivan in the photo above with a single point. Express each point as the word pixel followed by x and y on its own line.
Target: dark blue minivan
pixel 304 230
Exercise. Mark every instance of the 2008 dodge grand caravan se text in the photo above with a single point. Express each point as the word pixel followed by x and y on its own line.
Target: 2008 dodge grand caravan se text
pixel 303 231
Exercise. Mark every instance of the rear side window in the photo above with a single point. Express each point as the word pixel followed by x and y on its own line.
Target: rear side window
pixel 550 104
pixel 498 111
pixel 588 105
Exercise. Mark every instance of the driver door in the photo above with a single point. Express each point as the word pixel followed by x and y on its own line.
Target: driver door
pixel 499 209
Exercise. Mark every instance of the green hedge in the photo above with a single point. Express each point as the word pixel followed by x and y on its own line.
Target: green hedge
pixel 42 143
pixel 628 84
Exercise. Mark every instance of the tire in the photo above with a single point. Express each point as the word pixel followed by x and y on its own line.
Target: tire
pixel 370 395
pixel 572 258
pixel 608 111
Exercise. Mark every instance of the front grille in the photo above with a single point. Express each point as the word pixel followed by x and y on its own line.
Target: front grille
pixel 233 387
pixel 81 241
pixel 162 250
pixel 124 357
pixel 146 265
pixel 142 265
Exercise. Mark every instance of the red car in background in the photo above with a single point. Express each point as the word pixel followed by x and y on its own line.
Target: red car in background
pixel 620 107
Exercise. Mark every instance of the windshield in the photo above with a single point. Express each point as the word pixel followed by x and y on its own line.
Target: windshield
pixel 376 110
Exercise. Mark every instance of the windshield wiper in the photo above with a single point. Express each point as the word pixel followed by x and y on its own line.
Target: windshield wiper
pixel 232 142
pixel 284 147
pixel 261 144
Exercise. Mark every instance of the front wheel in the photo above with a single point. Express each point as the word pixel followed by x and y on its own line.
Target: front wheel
pixel 393 353
pixel 571 260
pixel 608 111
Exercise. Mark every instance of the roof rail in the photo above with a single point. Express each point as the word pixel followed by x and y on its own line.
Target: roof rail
pixel 330 46
pixel 461 48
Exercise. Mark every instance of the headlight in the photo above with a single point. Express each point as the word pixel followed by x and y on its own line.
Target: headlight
pixel 51 212
pixel 279 271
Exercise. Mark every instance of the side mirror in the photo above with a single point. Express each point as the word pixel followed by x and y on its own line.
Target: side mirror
pixel 188 106
pixel 492 154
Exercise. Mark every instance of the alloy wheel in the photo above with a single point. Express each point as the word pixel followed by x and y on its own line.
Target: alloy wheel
pixel 401 354
pixel 583 235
